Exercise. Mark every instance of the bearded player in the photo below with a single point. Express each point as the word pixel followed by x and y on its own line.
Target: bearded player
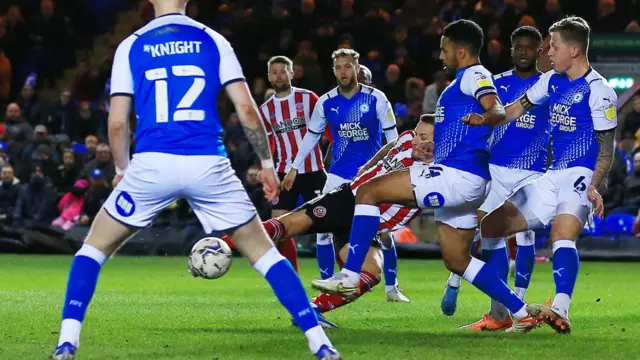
pixel 358 115
pixel 333 211
pixel 518 156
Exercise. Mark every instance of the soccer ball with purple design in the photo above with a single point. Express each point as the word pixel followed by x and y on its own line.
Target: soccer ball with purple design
pixel 210 258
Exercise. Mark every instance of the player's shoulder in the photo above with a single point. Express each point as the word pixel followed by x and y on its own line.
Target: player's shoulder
pixel 329 96
pixel 477 70
pixel 269 100
pixel 599 85
pixel 124 48
pixel 407 135
pixel 505 76
pixel 302 91
pixel 370 90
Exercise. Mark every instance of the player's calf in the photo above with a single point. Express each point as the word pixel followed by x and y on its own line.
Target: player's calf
pixel 525 261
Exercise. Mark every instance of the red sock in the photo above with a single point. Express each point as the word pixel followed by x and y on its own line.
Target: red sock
pixel 513 247
pixel 326 302
pixel 274 227
pixel 288 249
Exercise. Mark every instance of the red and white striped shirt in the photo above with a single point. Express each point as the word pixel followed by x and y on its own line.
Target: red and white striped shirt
pixel 392 216
pixel 285 120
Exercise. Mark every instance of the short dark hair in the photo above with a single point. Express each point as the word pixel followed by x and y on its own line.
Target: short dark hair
pixel 526 31
pixel 280 59
pixel 574 30
pixel 465 33
pixel 428 118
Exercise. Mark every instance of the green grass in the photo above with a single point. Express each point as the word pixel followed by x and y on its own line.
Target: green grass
pixel 151 308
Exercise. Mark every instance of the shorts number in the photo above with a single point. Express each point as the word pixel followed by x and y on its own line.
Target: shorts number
pixel 579 185
pixel 431 172
pixel 183 112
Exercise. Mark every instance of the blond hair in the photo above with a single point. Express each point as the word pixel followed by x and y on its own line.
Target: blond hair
pixel 346 52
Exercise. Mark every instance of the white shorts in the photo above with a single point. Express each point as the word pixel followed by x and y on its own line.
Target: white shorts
pixel 504 182
pixel 333 181
pixel 153 181
pixel 556 192
pixel 453 194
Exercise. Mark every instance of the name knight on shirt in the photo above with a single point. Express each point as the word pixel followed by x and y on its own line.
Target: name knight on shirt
pixel 353 131
pixel 173 48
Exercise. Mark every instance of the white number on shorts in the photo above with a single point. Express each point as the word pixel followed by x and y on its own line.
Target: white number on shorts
pixel 183 112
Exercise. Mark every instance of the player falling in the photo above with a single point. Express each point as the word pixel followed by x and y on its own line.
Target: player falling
pixel 454 187
pixel 357 115
pixel 583 113
pixel 518 156
pixel 181 65
pixel 333 212
pixel 285 116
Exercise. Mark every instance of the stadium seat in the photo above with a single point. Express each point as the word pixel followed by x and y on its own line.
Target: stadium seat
pixel 618 225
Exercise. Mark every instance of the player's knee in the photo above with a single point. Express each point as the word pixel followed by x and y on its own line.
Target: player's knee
pixel 367 194
pixel 457 264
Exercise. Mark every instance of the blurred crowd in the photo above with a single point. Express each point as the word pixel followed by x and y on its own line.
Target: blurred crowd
pixel 56 164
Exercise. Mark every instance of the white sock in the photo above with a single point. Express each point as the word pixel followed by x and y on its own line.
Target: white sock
pixel 562 303
pixel 454 280
pixel 70 331
pixel 353 276
pixel 317 338
pixel 521 314
pixel 521 292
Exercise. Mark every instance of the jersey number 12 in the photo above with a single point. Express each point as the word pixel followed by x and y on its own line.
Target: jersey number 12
pixel 183 112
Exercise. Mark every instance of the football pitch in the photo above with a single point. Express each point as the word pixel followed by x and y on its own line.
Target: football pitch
pixel 151 308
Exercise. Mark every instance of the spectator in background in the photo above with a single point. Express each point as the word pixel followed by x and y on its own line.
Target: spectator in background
pixel 86 123
pixel 68 171
pixel 36 202
pixel 97 194
pixel 613 195
pixel 632 120
pixel 15 43
pixel 5 77
pixel 60 117
pixel 631 202
pixel 495 61
pixel 91 143
pixel 85 85
pixel 103 162
pixel 49 34
pixel 608 20
pixel 4 154
pixel 9 192
pixel 392 87
pixel 30 105
pixel 433 91
pixel 17 129
pixel 70 206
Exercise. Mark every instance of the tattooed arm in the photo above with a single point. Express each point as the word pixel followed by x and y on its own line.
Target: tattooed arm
pixel 605 156
pixel 252 125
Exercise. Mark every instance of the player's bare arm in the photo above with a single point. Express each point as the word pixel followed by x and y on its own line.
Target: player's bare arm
pixel 603 164
pixel 118 129
pixel 494 112
pixel 253 127
pixel 378 156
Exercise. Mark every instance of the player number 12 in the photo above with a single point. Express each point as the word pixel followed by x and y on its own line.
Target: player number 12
pixel 184 112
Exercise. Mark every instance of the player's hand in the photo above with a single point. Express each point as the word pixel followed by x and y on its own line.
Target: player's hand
pixel 426 149
pixel 596 200
pixel 473 119
pixel 116 180
pixel 270 183
pixel 289 179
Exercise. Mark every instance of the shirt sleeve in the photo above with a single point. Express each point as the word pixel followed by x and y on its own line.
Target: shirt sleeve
pixel 121 75
pixel 477 83
pixel 603 102
pixel 318 121
pixel 230 70
pixel 539 92
pixel 387 118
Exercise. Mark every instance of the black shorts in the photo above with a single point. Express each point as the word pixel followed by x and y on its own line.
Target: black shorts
pixel 333 213
pixel 308 185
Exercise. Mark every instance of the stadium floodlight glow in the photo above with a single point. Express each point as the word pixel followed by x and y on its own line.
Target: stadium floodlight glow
pixel 621 83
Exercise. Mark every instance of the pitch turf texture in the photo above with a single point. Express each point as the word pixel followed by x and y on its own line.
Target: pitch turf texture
pixel 151 308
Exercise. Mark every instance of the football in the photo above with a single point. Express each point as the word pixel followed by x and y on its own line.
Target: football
pixel 210 258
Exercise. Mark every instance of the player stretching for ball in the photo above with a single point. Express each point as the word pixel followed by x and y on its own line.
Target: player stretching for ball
pixel 174 68
pixel 333 211
pixel 583 111
pixel 285 116
pixel 518 156
pixel 455 186
pixel 357 115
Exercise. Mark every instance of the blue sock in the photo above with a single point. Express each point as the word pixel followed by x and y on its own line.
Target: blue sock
pixel 326 254
pixel 83 278
pixel 566 264
pixel 525 261
pixel 494 253
pixel 486 279
pixel 390 264
pixel 366 221
pixel 288 289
